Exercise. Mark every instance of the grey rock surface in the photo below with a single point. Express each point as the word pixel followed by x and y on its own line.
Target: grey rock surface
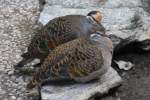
pixel 122 18
pixel 82 91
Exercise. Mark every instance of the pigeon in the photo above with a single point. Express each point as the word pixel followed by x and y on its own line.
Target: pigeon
pixel 61 30
pixel 81 60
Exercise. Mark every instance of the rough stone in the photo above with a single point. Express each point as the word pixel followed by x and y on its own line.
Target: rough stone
pixel 124 65
pixel 119 16
pixel 12 98
pixel 125 21
pixel 86 91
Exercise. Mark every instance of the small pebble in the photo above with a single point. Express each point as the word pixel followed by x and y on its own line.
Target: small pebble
pixel 12 98
pixel 19 98
pixel 11 72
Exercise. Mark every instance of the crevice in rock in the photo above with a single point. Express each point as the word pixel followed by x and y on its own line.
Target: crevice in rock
pixel 111 95
pixel 41 3
pixel 146 5
pixel 131 46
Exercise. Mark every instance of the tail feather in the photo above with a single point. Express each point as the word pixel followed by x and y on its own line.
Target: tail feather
pixel 25 55
pixel 23 62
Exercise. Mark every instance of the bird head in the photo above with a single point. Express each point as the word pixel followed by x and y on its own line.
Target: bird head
pixel 96 15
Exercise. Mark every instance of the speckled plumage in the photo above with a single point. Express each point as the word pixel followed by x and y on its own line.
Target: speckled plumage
pixel 58 31
pixel 82 60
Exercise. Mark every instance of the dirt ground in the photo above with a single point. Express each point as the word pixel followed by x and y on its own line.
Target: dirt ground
pixel 136 85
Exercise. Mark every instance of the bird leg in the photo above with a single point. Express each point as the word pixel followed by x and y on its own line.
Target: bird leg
pixel 34 94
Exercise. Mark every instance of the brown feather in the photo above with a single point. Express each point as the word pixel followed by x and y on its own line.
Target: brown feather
pixel 79 58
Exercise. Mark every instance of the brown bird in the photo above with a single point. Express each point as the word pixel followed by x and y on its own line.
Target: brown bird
pixel 82 60
pixel 61 30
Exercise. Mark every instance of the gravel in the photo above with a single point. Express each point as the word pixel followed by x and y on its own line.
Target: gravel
pixel 17 20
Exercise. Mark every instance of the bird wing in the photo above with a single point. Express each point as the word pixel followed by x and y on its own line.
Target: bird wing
pixel 58 31
pixel 77 58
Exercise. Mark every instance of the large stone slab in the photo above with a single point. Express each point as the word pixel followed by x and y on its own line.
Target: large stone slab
pixel 125 21
pixel 85 91
pixel 122 18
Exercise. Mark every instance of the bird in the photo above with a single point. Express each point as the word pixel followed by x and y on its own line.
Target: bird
pixel 81 60
pixel 61 30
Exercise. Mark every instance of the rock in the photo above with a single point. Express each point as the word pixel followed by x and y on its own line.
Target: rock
pixel 127 23
pixel 146 5
pixel 11 72
pixel 19 98
pixel 5 99
pixel 12 98
pixel 128 15
pixel 124 65
pixel 111 97
pixel 82 91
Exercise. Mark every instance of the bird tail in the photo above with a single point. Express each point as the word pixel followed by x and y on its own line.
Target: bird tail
pixel 23 62
pixel 26 59
pixel 25 55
